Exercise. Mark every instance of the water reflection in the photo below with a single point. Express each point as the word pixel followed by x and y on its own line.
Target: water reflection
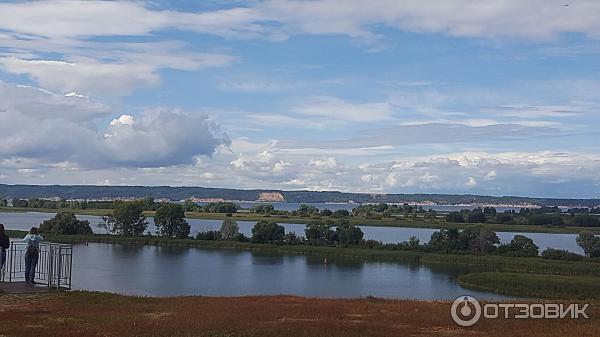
pixel 170 270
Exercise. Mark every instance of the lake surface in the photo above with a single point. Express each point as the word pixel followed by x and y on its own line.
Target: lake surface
pixel 24 221
pixel 171 271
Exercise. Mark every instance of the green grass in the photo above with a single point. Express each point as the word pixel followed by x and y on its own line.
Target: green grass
pixel 15 233
pixel 534 285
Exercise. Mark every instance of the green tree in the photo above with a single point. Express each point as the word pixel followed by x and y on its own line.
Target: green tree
pixel 169 220
pixel 503 217
pixel 590 243
pixel 20 203
pixel 413 242
pixel 444 240
pixel 348 234
pixel 128 219
pixel 586 221
pixel 520 245
pixel 267 232
pixel 477 239
pixel 65 223
pixel 545 219
pixel 189 206
pixel 230 230
pixel 455 217
pixel 304 210
pixel 476 216
pixel 340 213
pixel 319 233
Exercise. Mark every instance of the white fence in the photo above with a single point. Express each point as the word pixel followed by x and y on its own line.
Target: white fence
pixel 53 269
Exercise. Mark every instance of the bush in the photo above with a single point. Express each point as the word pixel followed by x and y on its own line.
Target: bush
pixel 65 223
pixel 292 239
pixel 560 254
pixel 546 219
pixel 455 217
pixel 349 234
pixel 586 221
pixel 267 232
pixel 209 236
pixel 340 213
pixel 503 218
pixel 476 216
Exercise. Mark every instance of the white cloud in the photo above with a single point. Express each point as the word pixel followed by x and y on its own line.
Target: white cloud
pixel 277 19
pixel 92 76
pixel 50 128
pixel 531 19
pixel 123 120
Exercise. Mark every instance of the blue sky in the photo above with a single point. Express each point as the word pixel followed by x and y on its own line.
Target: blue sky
pixel 495 97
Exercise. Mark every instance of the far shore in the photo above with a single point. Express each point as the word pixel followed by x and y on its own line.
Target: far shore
pixel 420 222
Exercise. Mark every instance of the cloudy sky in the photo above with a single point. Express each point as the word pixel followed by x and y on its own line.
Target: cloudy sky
pixel 496 97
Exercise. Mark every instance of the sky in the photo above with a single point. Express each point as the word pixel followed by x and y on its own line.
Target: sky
pixel 496 97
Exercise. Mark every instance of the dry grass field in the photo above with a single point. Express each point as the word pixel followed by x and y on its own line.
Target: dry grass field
pixel 100 314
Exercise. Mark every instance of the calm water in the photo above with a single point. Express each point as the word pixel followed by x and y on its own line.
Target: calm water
pixel 171 271
pixel 24 221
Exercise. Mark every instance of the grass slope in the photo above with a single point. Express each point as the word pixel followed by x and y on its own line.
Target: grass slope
pixel 100 314
pixel 534 285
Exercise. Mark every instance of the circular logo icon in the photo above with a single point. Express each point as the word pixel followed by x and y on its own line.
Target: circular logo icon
pixel 465 311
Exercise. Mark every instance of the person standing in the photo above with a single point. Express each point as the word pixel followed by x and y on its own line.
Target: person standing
pixel 4 245
pixel 32 254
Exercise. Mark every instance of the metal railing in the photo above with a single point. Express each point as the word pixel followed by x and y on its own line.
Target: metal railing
pixel 54 266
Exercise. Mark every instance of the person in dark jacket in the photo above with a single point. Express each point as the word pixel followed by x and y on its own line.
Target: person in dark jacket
pixel 4 245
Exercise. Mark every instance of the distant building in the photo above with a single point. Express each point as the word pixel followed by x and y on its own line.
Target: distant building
pixel 198 200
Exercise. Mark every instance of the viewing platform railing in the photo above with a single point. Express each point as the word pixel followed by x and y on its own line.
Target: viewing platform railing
pixel 54 266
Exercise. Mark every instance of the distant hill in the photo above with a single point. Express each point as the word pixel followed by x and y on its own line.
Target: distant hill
pixel 181 193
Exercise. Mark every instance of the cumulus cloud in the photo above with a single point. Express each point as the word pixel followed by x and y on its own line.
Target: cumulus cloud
pixel 51 128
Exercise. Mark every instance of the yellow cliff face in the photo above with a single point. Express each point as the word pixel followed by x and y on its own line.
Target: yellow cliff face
pixel 270 196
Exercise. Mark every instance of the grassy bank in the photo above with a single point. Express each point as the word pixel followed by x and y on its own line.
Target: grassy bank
pixel 101 314
pixel 355 220
pixel 534 285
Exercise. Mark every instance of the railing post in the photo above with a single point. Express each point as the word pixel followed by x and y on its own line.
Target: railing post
pixel 70 266
pixel 12 247
pixel 50 256
pixel 59 267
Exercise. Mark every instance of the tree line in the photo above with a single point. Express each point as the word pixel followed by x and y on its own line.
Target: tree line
pixel 128 219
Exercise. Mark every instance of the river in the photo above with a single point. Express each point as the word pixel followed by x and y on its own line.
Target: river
pixel 24 221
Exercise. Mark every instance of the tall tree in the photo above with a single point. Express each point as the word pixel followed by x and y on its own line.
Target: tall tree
pixel 267 232
pixel 230 230
pixel 170 221
pixel 128 219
